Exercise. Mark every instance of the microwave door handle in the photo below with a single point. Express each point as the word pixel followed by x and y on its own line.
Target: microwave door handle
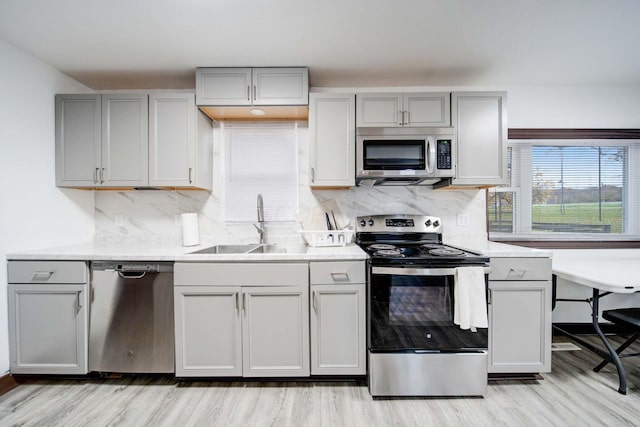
pixel 431 155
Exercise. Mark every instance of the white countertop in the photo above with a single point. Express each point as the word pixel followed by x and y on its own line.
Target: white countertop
pixel 170 251
pixel 158 251
pixel 614 270
pixel 501 250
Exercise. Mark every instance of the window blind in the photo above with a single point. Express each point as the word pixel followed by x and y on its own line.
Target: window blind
pixel 260 159
pixel 574 187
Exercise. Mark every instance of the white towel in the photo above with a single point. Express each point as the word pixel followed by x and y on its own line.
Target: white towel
pixel 470 298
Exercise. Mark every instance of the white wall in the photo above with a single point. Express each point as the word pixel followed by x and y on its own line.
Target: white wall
pixel 34 213
pixel 598 107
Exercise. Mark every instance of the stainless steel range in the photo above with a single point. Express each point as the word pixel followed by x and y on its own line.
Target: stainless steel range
pixel 414 347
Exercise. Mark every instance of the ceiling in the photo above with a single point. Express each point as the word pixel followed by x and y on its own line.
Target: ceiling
pixel 125 44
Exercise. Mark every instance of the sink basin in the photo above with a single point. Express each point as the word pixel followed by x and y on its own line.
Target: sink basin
pixel 241 249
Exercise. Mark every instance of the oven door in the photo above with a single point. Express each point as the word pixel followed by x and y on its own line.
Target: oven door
pixel 413 312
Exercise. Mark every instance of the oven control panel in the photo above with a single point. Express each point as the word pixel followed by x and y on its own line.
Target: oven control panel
pixel 400 223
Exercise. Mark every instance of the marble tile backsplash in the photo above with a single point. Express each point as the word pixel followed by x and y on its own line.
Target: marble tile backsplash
pixel 155 214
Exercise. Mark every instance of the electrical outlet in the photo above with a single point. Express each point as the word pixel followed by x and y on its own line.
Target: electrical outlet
pixel 119 220
pixel 462 219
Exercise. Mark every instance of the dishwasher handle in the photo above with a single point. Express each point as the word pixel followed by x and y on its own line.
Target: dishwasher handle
pixel 132 274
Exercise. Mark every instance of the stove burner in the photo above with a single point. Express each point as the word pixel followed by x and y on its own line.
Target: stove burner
pixel 381 246
pixel 445 252
pixel 388 253
pixel 428 246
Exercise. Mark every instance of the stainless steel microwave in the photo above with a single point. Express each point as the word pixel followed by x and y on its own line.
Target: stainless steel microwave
pixel 404 156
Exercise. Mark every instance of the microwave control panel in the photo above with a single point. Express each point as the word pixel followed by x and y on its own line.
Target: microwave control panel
pixel 443 150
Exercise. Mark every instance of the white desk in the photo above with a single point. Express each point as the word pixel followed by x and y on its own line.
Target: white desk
pixel 606 271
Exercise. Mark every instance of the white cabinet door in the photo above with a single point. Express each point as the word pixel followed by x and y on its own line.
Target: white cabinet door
pixel 480 121
pixel 520 326
pixel 332 128
pixel 78 140
pixel 252 86
pixel 338 329
pixel 48 329
pixel 208 331
pixel 173 145
pixel 125 140
pixel 280 86
pixel 379 109
pixel 275 331
pixel 223 86
pixel 427 109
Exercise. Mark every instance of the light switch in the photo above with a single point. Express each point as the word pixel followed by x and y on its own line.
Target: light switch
pixel 462 220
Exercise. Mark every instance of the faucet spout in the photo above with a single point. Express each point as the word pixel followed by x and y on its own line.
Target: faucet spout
pixel 260 208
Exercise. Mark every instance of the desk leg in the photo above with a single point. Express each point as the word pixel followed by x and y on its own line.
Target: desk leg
pixel 614 356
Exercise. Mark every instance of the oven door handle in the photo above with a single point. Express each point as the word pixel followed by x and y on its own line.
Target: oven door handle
pixel 419 271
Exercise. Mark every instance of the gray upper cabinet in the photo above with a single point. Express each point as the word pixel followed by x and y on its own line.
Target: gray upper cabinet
pixel 132 140
pixel 480 121
pixel 252 86
pixel 180 142
pixel 101 140
pixel 332 141
pixel 78 140
pixel 404 109
pixel 125 140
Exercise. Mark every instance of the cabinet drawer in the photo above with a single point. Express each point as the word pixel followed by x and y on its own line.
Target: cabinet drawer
pixel 322 273
pixel 47 272
pixel 241 274
pixel 520 269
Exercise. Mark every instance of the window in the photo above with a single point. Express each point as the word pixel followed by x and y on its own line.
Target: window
pixel 260 159
pixel 568 189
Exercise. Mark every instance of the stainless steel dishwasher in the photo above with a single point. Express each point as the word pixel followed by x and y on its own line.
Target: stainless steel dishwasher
pixel 131 318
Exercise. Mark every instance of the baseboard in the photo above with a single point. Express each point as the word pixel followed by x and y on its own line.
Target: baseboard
pixel 7 382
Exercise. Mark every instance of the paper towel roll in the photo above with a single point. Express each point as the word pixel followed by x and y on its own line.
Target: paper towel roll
pixel 190 233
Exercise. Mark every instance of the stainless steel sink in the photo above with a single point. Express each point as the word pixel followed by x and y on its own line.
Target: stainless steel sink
pixel 242 249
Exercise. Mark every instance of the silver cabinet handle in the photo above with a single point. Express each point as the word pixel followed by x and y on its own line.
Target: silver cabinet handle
pixel 313 174
pixel 190 171
pixel 42 275
pixel 237 295
pixel 248 92
pixel 255 92
pixel 340 277
pixel 520 273
pixel 315 301
pixel 407 118
pixel 78 302
pixel 102 176
pixel 244 301
pixel 96 176
pixel 399 117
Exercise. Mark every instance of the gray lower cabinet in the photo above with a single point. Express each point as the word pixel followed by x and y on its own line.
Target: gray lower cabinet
pixel 338 341
pixel 520 315
pixel 48 317
pixel 242 319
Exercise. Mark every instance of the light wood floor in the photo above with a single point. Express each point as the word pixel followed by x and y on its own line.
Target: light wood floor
pixel 571 395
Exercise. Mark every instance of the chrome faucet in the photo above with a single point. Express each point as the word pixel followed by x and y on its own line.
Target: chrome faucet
pixel 261 230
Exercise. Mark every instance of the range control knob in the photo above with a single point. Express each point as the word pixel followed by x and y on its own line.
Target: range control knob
pixel 427 222
pixel 363 223
pixel 371 222
pixel 436 223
